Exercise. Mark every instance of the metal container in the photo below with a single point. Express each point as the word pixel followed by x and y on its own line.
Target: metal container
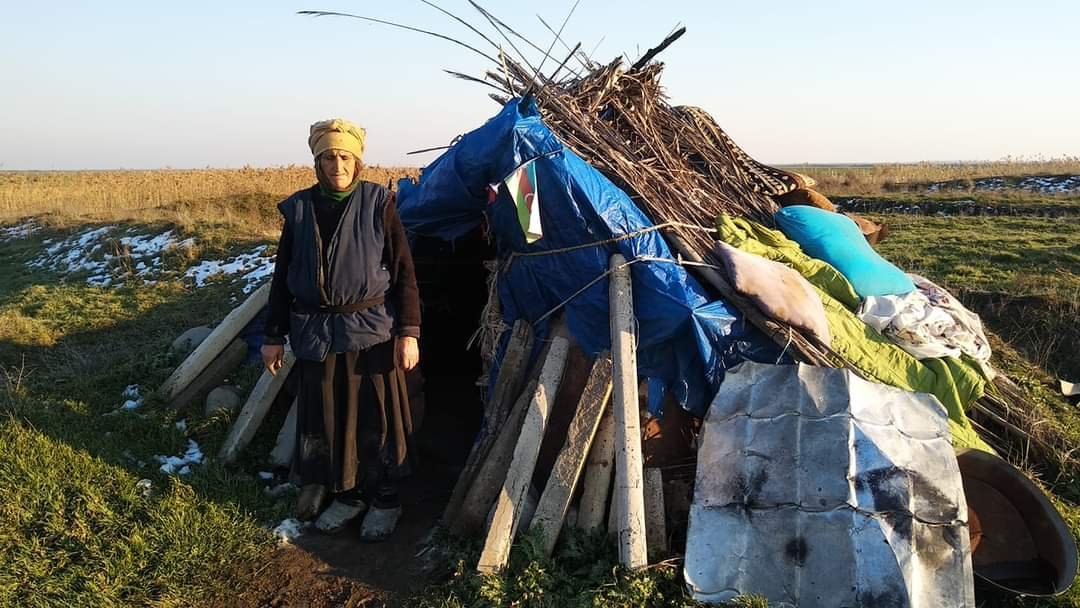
pixel 1020 544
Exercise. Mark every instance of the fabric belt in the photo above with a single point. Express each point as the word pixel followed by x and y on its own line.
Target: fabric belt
pixel 343 309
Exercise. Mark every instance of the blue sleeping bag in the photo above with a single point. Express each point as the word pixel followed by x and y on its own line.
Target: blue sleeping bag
pixel 834 238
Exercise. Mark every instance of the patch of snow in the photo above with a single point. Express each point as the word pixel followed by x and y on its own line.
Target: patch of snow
pixel 181 425
pixel 289 530
pixel 147 245
pixel 280 490
pixel 253 267
pixel 134 399
pixel 20 231
pixel 180 465
pixel 266 475
pixel 86 252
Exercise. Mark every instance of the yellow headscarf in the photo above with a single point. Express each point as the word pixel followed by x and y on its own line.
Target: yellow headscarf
pixel 336 134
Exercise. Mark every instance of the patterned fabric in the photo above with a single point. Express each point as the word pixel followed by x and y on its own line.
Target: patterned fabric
pixel 928 322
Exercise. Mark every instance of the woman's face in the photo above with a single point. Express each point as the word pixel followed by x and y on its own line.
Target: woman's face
pixel 339 168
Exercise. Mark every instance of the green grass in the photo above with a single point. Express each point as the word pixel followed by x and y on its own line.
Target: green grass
pixel 1031 266
pixel 76 530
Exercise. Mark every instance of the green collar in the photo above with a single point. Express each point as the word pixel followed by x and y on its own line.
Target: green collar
pixel 338 196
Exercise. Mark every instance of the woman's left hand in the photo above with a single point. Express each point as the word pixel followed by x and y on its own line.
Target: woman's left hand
pixel 407 353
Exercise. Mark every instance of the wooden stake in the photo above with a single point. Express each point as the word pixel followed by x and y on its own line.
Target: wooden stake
pixel 254 410
pixel 564 475
pixel 628 474
pixel 508 506
pixel 282 453
pixel 216 342
pixel 655 518
pixel 214 374
pixel 597 484
pixel 507 387
pixel 491 473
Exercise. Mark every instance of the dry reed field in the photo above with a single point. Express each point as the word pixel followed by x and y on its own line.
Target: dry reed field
pixel 112 193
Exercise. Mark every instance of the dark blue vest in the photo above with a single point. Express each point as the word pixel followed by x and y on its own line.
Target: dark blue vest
pixel 352 276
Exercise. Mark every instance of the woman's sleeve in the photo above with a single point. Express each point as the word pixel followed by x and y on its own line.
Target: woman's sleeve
pixel 404 294
pixel 277 319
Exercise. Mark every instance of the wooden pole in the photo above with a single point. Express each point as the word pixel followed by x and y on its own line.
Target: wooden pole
pixel 655 518
pixel 216 342
pixel 597 484
pixel 555 500
pixel 214 374
pixel 282 454
pixel 254 410
pixel 628 471
pixel 508 506
pixel 491 473
pixel 508 385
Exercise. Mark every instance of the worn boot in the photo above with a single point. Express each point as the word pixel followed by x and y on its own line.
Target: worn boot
pixel 310 501
pixel 379 523
pixel 339 513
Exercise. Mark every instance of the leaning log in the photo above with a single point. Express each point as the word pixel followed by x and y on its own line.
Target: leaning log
pixel 254 410
pixel 598 468
pixel 491 473
pixel 208 349
pixel 555 499
pixel 508 385
pixel 214 374
pixel 511 499
pixel 282 454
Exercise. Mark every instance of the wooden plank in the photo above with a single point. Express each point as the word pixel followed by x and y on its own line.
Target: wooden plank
pixel 282 454
pixel 223 334
pixel 211 377
pixel 555 499
pixel 492 471
pixel 655 520
pixel 598 469
pixel 254 410
pixel 508 505
pixel 507 388
pixel 628 474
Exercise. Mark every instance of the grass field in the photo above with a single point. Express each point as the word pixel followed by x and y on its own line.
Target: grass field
pixel 78 529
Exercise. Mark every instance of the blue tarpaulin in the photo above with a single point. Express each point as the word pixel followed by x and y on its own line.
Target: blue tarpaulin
pixel 684 340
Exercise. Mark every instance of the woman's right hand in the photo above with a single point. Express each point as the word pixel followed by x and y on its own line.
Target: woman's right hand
pixel 273 357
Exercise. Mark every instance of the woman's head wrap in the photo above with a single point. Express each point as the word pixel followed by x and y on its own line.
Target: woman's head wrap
pixel 336 134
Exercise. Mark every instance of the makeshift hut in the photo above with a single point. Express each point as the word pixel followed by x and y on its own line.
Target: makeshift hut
pixel 636 259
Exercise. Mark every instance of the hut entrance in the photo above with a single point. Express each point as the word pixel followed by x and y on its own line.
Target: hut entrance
pixel 453 288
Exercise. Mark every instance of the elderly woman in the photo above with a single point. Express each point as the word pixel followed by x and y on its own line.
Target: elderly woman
pixel 344 293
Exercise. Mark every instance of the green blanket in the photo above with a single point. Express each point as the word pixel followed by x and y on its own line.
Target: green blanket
pixel 955 382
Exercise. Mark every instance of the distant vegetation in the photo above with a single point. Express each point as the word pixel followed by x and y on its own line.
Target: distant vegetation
pixel 112 194
pixel 906 177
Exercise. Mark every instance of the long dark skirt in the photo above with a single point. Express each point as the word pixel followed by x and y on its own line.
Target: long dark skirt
pixel 354 425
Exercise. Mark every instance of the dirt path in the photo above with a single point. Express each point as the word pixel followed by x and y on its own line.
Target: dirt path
pixel 337 570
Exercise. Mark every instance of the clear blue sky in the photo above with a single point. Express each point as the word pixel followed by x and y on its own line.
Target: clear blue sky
pixel 222 84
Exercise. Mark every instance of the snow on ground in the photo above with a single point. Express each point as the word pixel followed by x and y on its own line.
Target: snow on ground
pixel 253 268
pixel 133 400
pixel 108 257
pixel 98 252
pixel 181 465
pixel 20 231
pixel 289 530
pixel 1057 184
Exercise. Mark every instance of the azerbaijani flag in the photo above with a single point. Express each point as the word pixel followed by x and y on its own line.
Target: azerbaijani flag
pixel 522 187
